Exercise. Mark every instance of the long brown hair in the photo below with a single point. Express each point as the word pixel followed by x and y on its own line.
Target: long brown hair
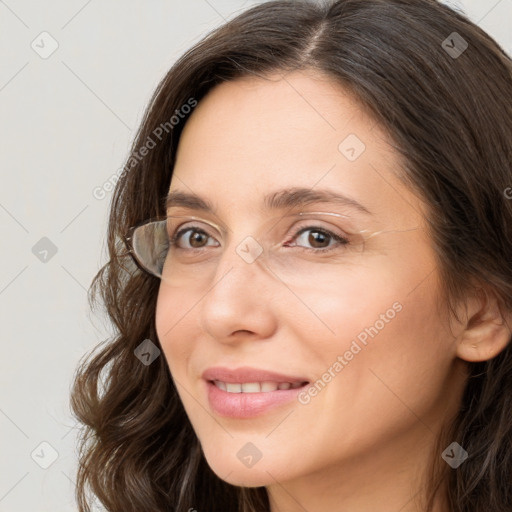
pixel 448 109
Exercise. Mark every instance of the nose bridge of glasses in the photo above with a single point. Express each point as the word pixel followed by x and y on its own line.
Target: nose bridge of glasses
pixel 249 242
pixel 246 244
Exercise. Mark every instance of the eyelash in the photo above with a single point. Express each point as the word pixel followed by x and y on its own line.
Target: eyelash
pixel 341 241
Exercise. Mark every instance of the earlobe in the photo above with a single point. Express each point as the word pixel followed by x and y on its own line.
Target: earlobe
pixel 487 331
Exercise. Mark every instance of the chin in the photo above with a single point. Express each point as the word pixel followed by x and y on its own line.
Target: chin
pixel 242 477
pixel 248 480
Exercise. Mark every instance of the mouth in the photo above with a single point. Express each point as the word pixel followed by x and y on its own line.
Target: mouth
pixel 246 400
pixel 257 387
pixel 246 392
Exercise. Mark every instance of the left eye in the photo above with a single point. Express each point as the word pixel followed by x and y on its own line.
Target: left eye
pixel 319 236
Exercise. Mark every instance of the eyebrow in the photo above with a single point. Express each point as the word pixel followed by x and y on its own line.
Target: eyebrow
pixel 278 200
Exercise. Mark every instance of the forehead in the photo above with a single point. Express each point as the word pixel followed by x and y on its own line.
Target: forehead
pixel 252 136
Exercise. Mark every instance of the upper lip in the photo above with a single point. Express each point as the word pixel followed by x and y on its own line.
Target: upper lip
pixel 247 374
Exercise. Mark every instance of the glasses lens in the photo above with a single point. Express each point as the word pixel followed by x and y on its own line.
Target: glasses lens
pixel 150 244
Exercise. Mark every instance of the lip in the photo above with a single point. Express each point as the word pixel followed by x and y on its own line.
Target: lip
pixel 248 374
pixel 248 405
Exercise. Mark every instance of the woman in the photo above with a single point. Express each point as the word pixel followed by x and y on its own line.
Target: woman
pixel 310 273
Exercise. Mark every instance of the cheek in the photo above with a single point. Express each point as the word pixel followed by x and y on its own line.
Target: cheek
pixel 385 368
pixel 380 334
pixel 172 318
pixel 397 352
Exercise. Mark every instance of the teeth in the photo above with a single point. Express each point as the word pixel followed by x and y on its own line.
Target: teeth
pixel 220 385
pixel 255 387
pixel 268 386
pixel 233 388
pixel 251 387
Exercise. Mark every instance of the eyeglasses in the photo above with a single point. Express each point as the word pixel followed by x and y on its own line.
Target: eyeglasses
pixel 185 250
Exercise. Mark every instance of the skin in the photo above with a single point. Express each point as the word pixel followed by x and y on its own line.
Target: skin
pixel 366 440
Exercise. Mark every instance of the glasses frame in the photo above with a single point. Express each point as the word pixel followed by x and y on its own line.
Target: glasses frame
pixel 128 237
pixel 128 241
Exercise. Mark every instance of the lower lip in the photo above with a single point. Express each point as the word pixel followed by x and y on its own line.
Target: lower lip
pixel 248 405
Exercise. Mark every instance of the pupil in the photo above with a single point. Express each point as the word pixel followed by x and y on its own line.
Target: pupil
pixel 195 237
pixel 319 236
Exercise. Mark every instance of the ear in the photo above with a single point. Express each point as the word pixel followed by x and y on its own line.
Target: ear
pixel 486 329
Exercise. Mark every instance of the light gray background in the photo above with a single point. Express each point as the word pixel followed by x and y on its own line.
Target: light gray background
pixel 67 122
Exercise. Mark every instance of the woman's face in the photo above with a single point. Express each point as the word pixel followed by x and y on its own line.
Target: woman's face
pixel 360 325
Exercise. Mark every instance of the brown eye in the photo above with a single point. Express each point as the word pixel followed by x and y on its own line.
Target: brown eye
pixel 318 237
pixel 195 240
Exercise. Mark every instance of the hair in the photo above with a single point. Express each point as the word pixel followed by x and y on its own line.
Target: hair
pixel 450 120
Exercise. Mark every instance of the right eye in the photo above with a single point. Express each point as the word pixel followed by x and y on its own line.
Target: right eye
pixel 194 242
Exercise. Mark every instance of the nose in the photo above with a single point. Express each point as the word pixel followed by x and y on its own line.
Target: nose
pixel 237 300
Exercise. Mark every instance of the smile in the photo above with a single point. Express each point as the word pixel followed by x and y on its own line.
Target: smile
pixel 256 387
